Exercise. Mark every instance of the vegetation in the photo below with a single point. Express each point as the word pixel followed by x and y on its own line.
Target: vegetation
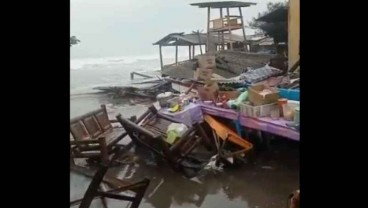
pixel 276 30
pixel 73 41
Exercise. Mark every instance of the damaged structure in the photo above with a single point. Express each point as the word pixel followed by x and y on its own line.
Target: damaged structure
pixel 230 93
pixel 225 24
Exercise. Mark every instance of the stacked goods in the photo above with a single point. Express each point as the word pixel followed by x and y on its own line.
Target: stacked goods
pixel 209 91
pixel 206 65
pixel 247 109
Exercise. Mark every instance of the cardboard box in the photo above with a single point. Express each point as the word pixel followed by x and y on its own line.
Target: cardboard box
pixel 256 98
pixel 208 91
pixel 230 94
pixel 207 62
pixel 203 74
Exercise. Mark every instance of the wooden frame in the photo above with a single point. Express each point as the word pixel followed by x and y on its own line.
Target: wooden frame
pixel 94 190
pixel 93 136
pixel 152 137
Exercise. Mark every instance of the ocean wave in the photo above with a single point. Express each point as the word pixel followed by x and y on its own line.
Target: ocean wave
pixel 83 62
pixel 110 62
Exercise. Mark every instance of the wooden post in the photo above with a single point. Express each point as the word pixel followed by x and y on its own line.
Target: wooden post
pixel 218 46
pixel 104 152
pixel 243 28
pixel 208 29
pixel 162 65
pixel 72 162
pixel 140 194
pixel 228 19
pixel 190 52
pixel 176 54
pixel 200 42
pixel 193 52
pixel 222 32
pixel 93 186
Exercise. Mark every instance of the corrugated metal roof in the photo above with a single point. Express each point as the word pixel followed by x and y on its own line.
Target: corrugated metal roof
pixel 223 4
pixel 182 39
pixel 167 38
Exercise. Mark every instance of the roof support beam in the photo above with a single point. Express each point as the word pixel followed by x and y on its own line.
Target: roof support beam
pixel 161 62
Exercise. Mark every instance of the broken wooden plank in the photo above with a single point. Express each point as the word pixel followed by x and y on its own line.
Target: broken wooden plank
pixel 295 66
pixel 139 74
pixel 110 180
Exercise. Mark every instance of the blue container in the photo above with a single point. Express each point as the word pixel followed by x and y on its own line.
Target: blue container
pixel 290 94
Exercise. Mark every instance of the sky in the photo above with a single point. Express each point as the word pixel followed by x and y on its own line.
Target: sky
pixel 114 28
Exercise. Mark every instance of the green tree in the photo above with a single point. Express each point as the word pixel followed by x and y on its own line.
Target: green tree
pixel 276 29
pixel 73 41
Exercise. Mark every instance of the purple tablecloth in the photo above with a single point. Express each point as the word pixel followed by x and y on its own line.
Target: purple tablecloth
pixel 221 112
pixel 194 113
pixel 267 124
pixel 277 127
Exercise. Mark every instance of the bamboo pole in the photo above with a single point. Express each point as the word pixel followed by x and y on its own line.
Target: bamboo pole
pixel 228 20
pixel 243 29
pixel 190 52
pixel 222 32
pixel 176 54
pixel 162 65
pixel 208 29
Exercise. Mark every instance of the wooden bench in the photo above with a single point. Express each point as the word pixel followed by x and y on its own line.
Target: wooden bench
pixel 93 136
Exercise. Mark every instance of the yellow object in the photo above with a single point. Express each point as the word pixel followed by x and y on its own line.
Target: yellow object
pixel 224 132
pixel 171 137
pixel 175 108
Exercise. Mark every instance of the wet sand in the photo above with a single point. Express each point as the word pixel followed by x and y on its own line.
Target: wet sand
pixel 265 184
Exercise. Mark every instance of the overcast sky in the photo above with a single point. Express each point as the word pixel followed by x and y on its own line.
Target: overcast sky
pixel 129 27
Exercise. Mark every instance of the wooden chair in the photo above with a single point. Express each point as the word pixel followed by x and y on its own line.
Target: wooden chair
pixel 95 189
pixel 150 132
pixel 93 136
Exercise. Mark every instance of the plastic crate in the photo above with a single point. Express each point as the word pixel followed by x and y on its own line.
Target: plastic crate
pixel 257 111
pixel 290 94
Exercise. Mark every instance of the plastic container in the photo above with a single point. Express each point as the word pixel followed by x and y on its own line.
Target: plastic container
pixel 163 99
pixel 293 104
pixel 290 94
pixel 280 103
pixel 275 114
pixel 288 112
pixel 257 111
pixel 297 115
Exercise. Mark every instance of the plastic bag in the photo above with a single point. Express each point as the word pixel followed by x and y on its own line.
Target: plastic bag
pixel 174 131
